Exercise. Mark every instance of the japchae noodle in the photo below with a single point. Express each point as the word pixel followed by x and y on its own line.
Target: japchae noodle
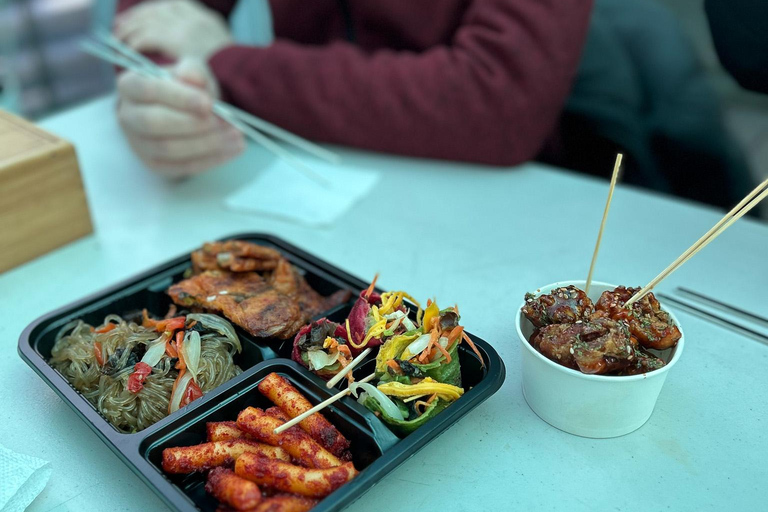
pixel 105 385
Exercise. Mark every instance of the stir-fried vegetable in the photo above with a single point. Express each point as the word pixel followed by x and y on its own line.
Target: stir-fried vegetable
pixel 98 352
pixel 384 402
pixel 392 349
pixel 191 352
pixel 156 350
pixel 218 324
pixel 417 347
pixel 136 380
pixel 428 386
pixel 179 391
pixel 319 359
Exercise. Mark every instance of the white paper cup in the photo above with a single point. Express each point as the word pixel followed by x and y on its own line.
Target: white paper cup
pixel 597 406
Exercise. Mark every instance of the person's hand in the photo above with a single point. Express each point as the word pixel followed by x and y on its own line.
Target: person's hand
pixel 170 124
pixel 176 28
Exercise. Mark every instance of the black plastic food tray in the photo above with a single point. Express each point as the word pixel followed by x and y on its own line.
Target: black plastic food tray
pixel 376 451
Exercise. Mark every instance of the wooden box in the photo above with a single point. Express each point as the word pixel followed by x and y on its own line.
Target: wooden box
pixel 42 200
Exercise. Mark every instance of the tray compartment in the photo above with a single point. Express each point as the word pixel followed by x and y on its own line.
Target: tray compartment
pixel 190 429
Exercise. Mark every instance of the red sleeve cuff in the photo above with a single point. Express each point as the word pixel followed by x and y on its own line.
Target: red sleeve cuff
pixel 226 65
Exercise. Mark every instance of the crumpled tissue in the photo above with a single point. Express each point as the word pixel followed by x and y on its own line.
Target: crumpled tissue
pixel 23 478
pixel 284 192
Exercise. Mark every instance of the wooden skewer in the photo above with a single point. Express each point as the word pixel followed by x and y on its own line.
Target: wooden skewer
pixel 614 179
pixel 753 199
pixel 325 403
pixel 269 145
pixel 415 397
pixel 351 366
pixel 245 117
pixel 218 109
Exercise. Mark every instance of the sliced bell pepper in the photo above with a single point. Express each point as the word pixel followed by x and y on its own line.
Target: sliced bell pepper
pixel 136 380
pixel 430 313
pixel 192 393
pixel 98 353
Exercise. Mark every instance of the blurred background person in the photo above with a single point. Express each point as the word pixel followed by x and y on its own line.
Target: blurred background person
pixel 481 80
pixel 647 82
pixel 641 89
pixel 740 33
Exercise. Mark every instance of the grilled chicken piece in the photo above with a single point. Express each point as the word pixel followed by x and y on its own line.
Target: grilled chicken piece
pixel 652 326
pixel 275 302
pixel 236 256
pixel 287 280
pixel 555 341
pixel 644 362
pixel 603 346
pixel 565 305
pixel 245 298
pixel 596 347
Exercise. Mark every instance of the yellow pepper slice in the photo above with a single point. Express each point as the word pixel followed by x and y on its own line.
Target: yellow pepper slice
pixel 390 301
pixel 376 330
pixel 428 386
pixel 391 349
pixel 431 312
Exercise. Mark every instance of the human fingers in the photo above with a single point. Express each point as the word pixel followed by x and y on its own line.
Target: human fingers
pixel 179 149
pixel 139 88
pixel 139 16
pixel 192 166
pixel 153 120
pixel 195 72
pixel 151 38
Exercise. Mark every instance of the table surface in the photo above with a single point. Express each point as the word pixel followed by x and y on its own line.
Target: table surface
pixel 480 237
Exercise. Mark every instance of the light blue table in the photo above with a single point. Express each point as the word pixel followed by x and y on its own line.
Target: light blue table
pixel 478 236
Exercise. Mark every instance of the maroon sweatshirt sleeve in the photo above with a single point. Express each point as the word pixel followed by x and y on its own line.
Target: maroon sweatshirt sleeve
pixel 492 95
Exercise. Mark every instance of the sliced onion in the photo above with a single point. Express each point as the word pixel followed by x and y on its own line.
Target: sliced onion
pixel 219 325
pixel 393 327
pixel 399 315
pixel 155 351
pixel 418 345
pixel 178 395
pixel 386 404
pixel 319 359
pixel 190 349
pixel 443 341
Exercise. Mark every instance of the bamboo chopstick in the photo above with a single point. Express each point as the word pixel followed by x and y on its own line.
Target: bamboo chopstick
pixel 112 42
pixel 322 405
pixel 219 108
pixel 347 369
pixel 745 205
pixel 614 179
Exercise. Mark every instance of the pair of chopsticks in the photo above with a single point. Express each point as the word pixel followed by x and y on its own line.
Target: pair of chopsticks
pixel 105 46
pixel 718 320
pixel 709 301
pixel 745 205
pixel 338 396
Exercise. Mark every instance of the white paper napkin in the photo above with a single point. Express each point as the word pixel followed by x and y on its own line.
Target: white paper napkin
pixel 22 478
pixel 282 191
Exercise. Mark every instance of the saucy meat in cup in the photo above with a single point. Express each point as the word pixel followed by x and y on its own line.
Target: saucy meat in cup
pixel 589 366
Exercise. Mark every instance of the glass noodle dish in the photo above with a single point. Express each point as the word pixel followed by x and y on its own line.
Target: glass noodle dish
pixel 417 371
pixel 137 374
